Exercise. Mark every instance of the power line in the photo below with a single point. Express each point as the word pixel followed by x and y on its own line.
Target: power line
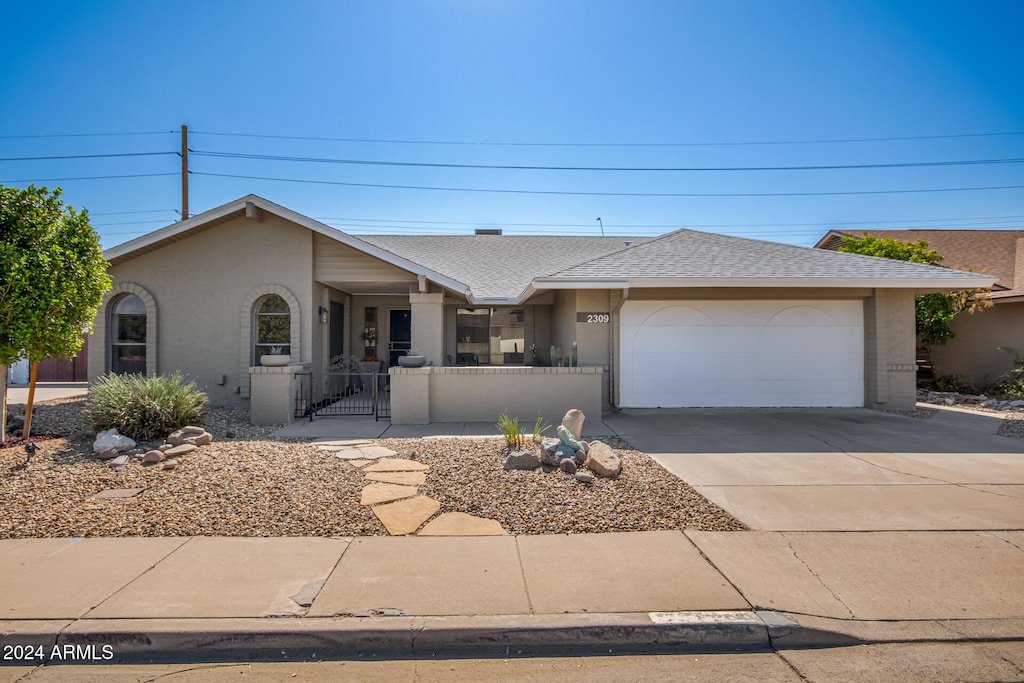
pixel 108 156
pixel 613 144
pixel 82 135
pixel 610 194
pixel 951 221
pixel 508 167
pixel 93 177
pixel 87 156
pixel 122 213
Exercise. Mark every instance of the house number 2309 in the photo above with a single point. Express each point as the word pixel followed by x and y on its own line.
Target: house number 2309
pixel 593 317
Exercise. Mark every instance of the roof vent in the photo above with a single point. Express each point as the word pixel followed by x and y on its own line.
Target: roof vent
pixel 628 243
pixel 488 231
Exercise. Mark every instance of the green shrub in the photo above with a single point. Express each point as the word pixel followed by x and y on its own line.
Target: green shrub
pixel 954 383
pixel 514 437
pixel 509 428
pixel 144 408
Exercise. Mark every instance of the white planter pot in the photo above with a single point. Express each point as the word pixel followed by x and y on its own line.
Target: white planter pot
pixel 277 361
pixel 412 361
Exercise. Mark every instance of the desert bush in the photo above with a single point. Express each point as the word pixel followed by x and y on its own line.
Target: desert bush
pixel 1011 384
pixel 954 383
pixel 144 408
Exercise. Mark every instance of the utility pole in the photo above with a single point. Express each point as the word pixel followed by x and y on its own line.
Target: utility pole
pixel 184 173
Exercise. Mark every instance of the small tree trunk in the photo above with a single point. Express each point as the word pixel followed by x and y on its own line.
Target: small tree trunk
pixel 3 404
pixel 27 430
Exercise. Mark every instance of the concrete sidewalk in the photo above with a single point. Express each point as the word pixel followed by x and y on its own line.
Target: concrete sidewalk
pixel 17 394
pixel 156 598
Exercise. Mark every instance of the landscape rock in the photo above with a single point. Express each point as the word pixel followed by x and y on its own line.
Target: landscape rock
pixel 603 461
pixel 153 456
pixel 171 463
pixel 164 447
pixel 549 451
pixel 568 466
pixel 177 451
pixel 573 421
pixel 567 438
pixel 118 461
pixel 584 477
pixel 110 439
pixel 195 436
pixel 1016 404
pixel 107 454
pixel 522 460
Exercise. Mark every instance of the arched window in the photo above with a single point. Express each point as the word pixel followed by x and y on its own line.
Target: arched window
pixel 273 326
pixel 128 338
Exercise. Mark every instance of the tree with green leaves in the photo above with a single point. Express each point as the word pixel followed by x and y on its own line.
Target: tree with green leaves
pixel 934 311
pixel 52 279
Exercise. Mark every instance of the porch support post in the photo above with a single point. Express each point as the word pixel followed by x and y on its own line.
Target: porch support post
pixel 428 325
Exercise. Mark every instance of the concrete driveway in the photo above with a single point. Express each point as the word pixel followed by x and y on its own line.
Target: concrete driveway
pixel 840 469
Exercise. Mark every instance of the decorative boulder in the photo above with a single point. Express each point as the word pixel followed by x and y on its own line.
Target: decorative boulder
pixel 549 452
pixel 602 460
pixel 179 451
pixel 194 436
pixel 111 440
pixel 153 456
pixel 573 421
pixel 522 460
pixel 568 466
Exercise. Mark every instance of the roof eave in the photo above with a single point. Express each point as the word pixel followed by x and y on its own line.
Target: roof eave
pixel 917 284
pixel 125 250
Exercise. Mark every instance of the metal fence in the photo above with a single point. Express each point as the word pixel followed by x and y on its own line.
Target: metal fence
pixel 346 393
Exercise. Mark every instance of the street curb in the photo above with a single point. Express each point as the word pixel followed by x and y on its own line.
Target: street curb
pixel 392 637
pixel 308 638
pixel 792 631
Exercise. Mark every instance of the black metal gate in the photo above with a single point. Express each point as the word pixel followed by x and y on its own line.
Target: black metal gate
pixel 346 393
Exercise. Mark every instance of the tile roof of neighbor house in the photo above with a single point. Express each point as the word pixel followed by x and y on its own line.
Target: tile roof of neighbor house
pixel 995 252
pixel 702 256
pixel 499 266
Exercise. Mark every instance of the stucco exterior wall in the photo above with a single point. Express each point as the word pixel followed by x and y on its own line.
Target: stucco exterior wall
pixel 890 365
pixel 482 394
pixel 985 346
pixel 200 283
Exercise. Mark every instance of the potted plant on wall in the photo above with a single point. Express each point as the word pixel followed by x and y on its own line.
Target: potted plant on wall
pixel 412 359
pixel 276 358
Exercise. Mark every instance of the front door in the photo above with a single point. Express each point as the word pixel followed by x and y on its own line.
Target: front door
pixel 400 334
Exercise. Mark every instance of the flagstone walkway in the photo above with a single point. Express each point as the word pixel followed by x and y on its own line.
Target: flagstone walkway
pixel 394 496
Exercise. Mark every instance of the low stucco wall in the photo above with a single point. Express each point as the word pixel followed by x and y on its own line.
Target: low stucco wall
pixel 274 391
pixel 482 394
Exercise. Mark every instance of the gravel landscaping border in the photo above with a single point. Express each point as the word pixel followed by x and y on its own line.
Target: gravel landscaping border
pixel 245 484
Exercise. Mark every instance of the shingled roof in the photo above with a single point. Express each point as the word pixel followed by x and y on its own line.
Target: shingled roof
pixel 691 258
pixel 499 266
pixel 510 268
pixel 999 253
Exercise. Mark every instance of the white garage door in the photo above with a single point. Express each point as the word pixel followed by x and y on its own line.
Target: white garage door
pixel 677 354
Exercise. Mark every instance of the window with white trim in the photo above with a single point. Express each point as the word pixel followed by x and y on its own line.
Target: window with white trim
pixel 273 327
pixel 128 338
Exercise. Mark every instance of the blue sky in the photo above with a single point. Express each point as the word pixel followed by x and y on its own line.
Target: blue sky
pixel 567 83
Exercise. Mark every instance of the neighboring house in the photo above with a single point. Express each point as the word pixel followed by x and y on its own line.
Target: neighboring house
pixel 684 319
pixel 988 342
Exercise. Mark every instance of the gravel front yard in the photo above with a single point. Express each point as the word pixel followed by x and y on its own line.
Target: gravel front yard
pixel 247 485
